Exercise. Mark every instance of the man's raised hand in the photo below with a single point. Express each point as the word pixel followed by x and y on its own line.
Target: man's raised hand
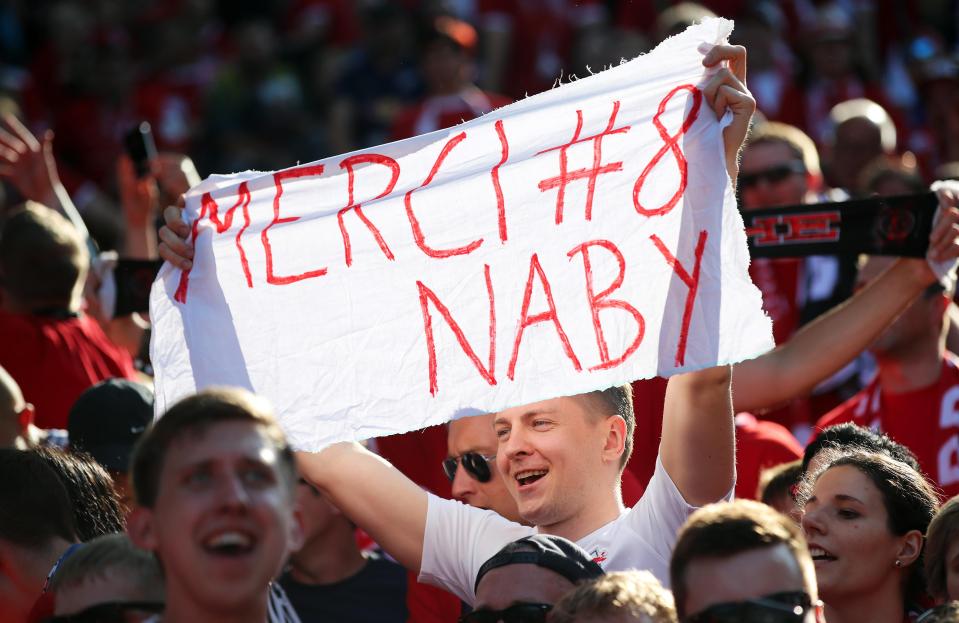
pixel 727 89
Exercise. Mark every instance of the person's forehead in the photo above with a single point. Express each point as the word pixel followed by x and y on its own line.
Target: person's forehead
pixel 766 153
pixel 471 434
pixel 714 580
pixel 559 407
pixel 847 480
pixel 221 442
pixel 520 583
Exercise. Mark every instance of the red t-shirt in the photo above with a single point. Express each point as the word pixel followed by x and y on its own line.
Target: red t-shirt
pixel 925 420
pixel 760 445
pixel 55 359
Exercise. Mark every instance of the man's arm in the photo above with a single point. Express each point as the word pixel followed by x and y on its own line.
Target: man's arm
pixel 824 346
pixel 376 496
pixel 698 448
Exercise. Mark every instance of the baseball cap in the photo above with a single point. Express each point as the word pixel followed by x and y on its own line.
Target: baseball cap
pixel 548 551
pixel 108 418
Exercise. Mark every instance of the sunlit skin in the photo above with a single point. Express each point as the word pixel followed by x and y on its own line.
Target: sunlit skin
pixel 505 586
pixel 854 552
pixel 475 434
pixel 765 194
pixel 225 481
pixel 714 580
pixel 572 457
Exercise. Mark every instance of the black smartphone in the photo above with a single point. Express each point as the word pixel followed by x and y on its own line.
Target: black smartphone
pixel 134 278
pixel 897 225
pixel 141 148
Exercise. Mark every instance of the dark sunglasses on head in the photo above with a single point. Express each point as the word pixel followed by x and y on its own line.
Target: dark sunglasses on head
pixel 475 464
pixel 115 612
pixel 772 175
pixel 786 607
pixel 517 613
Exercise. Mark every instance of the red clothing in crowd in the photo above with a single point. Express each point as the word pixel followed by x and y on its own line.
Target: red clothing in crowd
pixel 925 420
pixel 759 446
pixel 779 282
pixel 54 359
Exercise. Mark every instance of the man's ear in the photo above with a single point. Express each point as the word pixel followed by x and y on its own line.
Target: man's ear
pixel 141 529
pixel 615 443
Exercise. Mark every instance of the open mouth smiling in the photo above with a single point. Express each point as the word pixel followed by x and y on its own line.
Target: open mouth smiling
pixel 229 543
pixel 527 477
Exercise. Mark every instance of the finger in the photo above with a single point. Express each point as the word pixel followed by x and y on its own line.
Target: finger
pixel 947 239
pixel 723 78
pixel 180 262
pixel 735 55
pixel 173 217
pixel 11 141
pixel 175 244
pixel 9 155
pixel 947 218
pixel 22 132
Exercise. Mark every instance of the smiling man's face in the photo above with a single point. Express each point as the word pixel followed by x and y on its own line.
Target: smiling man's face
pixel 223 521
pixel 550 454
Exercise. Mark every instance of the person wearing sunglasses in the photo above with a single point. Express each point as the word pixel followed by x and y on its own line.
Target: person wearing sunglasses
pixel 522 581
pixel 471 467
pixel 108 580
pixel 743 562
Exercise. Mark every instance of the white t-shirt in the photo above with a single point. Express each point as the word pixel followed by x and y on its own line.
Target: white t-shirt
pixel 460 538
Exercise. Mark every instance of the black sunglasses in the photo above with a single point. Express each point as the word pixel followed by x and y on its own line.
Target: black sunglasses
pixel 475 464
pixel 786 607
pixel 114 612
pixel 517 613
pixel 772 175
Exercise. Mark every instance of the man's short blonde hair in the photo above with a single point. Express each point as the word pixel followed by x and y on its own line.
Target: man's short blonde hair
pixel 636 594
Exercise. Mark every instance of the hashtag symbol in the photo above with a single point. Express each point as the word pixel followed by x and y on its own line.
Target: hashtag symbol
pixel 566 176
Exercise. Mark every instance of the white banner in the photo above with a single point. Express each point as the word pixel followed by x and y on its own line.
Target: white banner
pixel 580 238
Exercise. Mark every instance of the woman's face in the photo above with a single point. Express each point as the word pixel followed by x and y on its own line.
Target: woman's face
pixel 846 525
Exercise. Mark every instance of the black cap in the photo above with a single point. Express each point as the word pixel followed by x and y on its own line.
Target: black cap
pixel 548 551
pixel 108 418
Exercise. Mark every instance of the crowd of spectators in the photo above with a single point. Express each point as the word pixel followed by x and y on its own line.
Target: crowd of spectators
pixel 847 433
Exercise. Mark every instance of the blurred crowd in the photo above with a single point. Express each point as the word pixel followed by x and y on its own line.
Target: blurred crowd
pixel 844 448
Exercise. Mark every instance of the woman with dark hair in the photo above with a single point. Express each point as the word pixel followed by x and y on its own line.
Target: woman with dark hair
pixel 865 516
pixel 942 552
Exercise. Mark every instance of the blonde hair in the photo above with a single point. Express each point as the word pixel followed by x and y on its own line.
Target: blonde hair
pixel 637 594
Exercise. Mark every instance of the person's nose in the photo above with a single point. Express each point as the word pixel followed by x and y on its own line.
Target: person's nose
pixel 812 522
pixel 463 485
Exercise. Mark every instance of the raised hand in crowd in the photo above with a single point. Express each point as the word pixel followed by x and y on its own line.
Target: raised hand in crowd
pixel 29 165
pixel 139 201
pixel 726 89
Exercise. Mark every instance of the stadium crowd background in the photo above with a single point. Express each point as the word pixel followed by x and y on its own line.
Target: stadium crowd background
pixel 238 84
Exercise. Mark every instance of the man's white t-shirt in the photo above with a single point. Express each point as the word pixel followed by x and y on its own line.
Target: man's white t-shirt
pixel 460 538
